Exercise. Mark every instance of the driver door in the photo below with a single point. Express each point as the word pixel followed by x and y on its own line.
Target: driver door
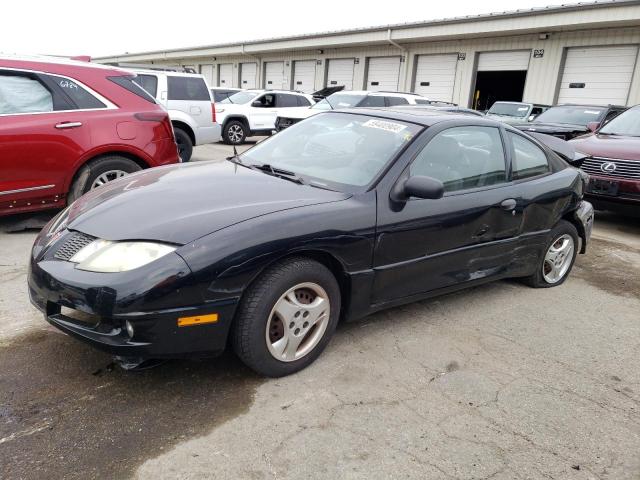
pixel 426 245
pixel 263 113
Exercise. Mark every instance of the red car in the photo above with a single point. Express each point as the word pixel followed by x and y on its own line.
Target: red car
pixel 69 126
pixel 613 163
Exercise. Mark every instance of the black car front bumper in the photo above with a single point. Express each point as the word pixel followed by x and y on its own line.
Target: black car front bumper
pixel 95 308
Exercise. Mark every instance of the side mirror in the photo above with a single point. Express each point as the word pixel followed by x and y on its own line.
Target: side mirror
pixel 419 187
pixel 593 126
pixel 257 103
pixel 531 117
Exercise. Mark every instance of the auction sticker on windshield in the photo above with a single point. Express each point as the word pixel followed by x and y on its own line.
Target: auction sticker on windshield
pixel 382 125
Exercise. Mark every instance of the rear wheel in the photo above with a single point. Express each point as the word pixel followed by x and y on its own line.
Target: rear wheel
pixel 185 145
pixel 287 317
pixel 100 171
pixel 235 132
pixel 559 257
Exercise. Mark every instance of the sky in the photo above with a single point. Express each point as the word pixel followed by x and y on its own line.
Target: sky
pixel 85 27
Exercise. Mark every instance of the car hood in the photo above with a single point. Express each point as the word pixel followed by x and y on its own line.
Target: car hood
pixel 297 112
pixel 180 203
pixel 609 146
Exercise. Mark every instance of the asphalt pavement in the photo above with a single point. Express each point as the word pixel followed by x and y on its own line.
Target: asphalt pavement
pixel 500 381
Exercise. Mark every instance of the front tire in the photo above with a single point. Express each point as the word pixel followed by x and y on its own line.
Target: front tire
pixel 185 145
pixel 287 317
pixel 235 132
pixel 558 259
pixel 100 171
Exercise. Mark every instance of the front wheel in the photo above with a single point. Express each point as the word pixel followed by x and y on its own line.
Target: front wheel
pixel 287 317
pixel 559 257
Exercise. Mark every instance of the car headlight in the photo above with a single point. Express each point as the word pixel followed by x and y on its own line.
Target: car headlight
pixel 107 257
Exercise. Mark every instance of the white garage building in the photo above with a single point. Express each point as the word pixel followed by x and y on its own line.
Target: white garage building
pixel 584 53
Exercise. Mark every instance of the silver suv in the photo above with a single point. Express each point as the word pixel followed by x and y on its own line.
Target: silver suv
pixel 187 98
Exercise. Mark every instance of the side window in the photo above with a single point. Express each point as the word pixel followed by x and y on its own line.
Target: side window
pixel 285 100
pixel 268 100
pixel 78 95
pixel 23 94
pixel 372 101
pixel 188 88
pixel 536 111
pixel 148 82
pixel 463 158
pixel 610 116
pixel 421 101
pixel 391 101
pixel 529 160
pixel 303 101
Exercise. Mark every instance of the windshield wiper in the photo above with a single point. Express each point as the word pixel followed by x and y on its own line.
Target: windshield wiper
pixel 278 172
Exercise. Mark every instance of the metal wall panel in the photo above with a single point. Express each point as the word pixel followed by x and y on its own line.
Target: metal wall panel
pixel 599 75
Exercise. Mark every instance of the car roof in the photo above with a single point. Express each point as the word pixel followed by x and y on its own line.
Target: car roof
pixel 276 90
pixel 416 114
pixel 162 72
pixel 376 93
pixel 589 105
pixel 35 62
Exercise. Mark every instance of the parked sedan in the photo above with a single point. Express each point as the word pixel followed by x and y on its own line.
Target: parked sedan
pixel 613 163
pixel 569 121
pixel 67 127
pixel 339 216
pixel 515 112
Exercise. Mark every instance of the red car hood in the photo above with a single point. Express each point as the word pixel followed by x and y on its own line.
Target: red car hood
pixel 608 146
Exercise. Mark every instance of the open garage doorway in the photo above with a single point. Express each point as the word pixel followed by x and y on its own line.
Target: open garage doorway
pixel 501 85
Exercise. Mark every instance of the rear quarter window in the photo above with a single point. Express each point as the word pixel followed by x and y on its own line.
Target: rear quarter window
pixel 188 88
pixel 128 84
pixel 148 82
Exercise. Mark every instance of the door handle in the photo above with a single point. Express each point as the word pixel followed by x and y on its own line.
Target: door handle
pixel 64 125
pixel 508 204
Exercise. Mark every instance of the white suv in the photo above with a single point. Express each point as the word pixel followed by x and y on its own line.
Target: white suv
pixel 187 98
pixel 254 112
pixel 348 99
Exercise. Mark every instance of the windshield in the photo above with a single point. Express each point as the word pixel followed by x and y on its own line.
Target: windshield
pixel 509 109
pixel 571 115
pixel 335 150
pixel 240 97
pixel 627 123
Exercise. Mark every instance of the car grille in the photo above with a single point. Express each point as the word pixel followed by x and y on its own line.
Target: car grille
pixel 608 167
pixel 73 245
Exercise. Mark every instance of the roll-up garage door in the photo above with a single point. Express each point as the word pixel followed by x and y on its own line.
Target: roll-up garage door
pixel 304 75
pixel 340 72
pixel 273 75
pixel 207 72
pixel 436 76
pixel 600 75
pixel 383 73
pixel 508 61
pixel 225 75
pixel 248 75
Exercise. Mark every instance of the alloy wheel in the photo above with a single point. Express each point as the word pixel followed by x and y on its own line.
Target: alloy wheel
pixel 297 322
pixel 558 258
pixel 107 177
pixel 235 133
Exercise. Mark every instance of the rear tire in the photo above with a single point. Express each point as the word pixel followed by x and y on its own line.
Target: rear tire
pixel 559 256
pixel 100 171
pixel 286 317
pixel 185 145
pixel 235 132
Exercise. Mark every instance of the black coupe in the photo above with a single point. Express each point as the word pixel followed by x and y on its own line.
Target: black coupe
pixel 341 215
